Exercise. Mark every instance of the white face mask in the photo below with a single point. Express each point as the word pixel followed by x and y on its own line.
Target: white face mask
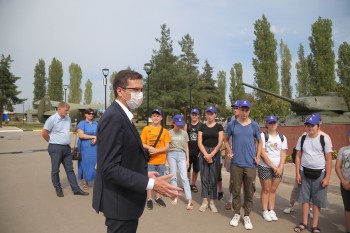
pixel 135 101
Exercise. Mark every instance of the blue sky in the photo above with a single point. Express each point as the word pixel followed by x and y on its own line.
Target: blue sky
pixel 118 34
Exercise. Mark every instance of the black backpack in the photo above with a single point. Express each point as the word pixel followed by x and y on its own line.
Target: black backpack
pixel 266 134
pixel 294 154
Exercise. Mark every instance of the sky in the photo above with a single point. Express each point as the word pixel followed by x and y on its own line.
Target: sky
pixel 117 34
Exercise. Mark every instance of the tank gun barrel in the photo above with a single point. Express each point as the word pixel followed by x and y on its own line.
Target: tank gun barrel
pixel 269 93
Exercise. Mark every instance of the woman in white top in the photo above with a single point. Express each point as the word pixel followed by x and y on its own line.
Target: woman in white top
pixel 270 168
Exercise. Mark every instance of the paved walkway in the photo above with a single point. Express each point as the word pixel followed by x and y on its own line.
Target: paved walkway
pixel 28 202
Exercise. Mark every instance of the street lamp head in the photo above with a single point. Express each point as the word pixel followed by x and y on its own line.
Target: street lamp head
pixel 65 87
pixel 148 68
pixel 105 72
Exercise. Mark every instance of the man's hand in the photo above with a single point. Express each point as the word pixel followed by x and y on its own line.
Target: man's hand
pixel 162 187
pixel 325 182
pixel 153 174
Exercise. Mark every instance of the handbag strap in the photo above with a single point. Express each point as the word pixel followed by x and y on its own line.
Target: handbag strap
pixel 160 133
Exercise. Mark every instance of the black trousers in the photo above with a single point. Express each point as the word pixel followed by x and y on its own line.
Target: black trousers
pixel 121 226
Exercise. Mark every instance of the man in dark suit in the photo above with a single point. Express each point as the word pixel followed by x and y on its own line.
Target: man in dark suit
pixel 122 179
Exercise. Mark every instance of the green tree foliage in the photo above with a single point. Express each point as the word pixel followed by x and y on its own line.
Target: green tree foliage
pixel 343 71
pixel 286 60
pixel 266 69
pixel 322 59
pixel 88 92
pixel 302 85
pixel 55 82
pixel 166 86
pixel 237 91
pixel 75 77
pixel 188 67
pixel 39 81
pixel 8 88
pixel 223 111
pixel 208 91
pixel 111 91
pixel 265 63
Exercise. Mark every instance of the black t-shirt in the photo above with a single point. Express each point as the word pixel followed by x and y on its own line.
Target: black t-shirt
pixel 210 136
pixel 192 131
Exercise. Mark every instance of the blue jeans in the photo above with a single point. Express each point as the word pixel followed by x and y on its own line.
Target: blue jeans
pixel 177 159
pixel 160 168
pixel 62 154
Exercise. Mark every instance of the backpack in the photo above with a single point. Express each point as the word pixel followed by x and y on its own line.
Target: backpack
pixel 266 134
pixel 233 127
pixel 294 153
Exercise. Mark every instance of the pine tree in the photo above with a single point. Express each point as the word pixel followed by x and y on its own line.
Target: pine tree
pixel 39 82
pixel 75 77
pixel 207 89
pixel 112 97
pixel 55 82
pixel 88 92
pixel 322 59
pixel 8 88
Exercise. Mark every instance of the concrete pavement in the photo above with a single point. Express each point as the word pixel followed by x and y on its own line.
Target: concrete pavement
pixel 28 202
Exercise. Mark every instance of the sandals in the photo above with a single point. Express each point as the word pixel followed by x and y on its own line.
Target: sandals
pixel 300 227
pixel 194 188
pixel 189 206
pixel 315 230
pixel 85 186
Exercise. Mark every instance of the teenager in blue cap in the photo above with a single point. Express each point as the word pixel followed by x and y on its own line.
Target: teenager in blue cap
pixel 342 168
pixel 313 170
pixel 210 138
pixel 270 168
pixel 178 158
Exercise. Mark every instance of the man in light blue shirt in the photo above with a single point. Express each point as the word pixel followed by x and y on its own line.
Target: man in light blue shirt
pixel 56 132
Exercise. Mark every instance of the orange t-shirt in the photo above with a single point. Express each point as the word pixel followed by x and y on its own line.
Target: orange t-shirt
pixel 149 136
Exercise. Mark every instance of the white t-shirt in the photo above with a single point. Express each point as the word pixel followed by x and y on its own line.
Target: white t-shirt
pixel 273 148
pixel 344 155
pixel 313 156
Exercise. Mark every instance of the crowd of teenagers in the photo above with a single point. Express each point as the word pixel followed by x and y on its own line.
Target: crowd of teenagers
pixel 194 148
pixel 186 151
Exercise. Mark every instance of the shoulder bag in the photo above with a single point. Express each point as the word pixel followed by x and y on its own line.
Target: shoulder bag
pixel 146 152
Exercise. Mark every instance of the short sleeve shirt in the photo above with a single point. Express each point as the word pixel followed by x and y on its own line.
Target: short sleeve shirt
pixel 59 129
pixel 149 136
pixel 210 135
pixel 273 148
pixel 344 155
pixel 179 140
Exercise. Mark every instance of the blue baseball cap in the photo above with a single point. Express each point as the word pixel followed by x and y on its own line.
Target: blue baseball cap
pixel 312 120
pixel 271 118
pixel 211 109
pixel 245 103
pixel 196 111
pixel 236 104
pixel 317 115
pixel 179 120
pixel 157 111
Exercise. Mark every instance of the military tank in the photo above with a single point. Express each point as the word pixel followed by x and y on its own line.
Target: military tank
pixel 333 108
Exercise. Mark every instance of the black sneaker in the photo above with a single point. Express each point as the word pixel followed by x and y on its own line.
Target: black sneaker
pixel 59 193
pixel 160 202
pixel 149 204
pixel 220 195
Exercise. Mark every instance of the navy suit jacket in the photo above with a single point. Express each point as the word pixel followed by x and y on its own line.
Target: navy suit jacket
pixel 121 177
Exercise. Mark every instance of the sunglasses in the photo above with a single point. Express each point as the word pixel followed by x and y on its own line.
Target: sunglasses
pixel 90 113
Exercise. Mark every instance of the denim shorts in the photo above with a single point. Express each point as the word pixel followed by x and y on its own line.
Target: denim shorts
pixel 160 168
pixel 310 189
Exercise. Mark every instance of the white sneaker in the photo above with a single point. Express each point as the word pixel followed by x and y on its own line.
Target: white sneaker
pixel 247 224
pixel 288 209
pixel 311 215
pixel 266 216
pixel 273 215
pixel 213 207
pixel 235 220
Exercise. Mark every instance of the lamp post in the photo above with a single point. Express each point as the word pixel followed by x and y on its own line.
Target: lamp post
pixel 105 72
pixel 65 90
pixel 148 68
